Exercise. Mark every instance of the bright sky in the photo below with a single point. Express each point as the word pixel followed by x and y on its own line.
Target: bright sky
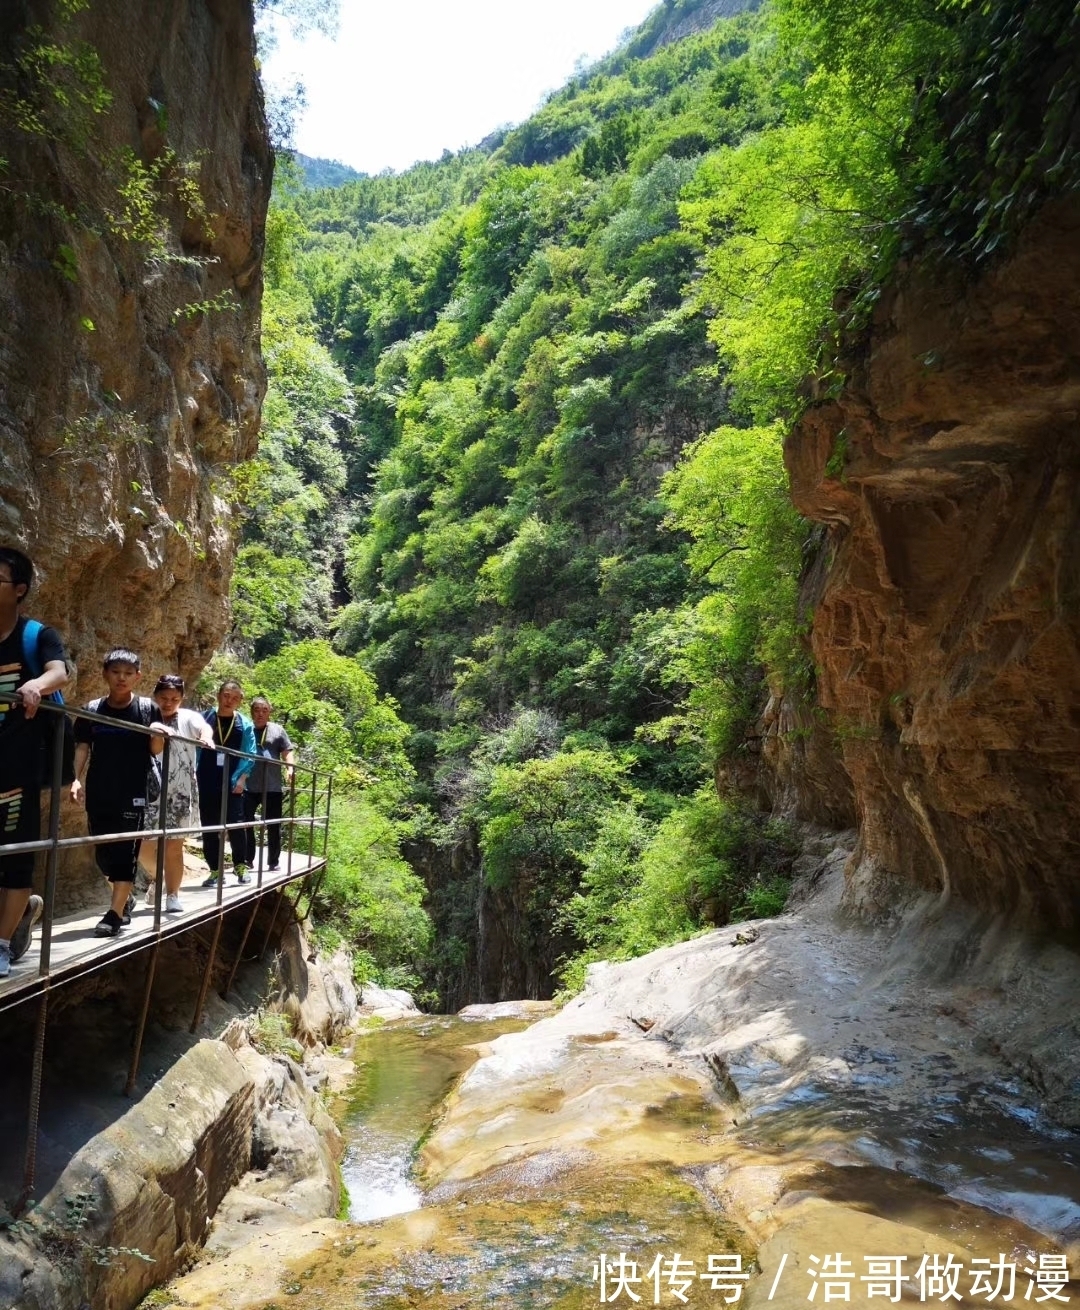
pixel 406 79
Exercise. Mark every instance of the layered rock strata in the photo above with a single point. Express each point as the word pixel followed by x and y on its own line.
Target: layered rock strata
pixel 130 287
pixel 946 611
pixel 232 1133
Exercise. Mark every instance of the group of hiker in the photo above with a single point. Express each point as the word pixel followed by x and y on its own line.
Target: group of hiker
pixel 117 772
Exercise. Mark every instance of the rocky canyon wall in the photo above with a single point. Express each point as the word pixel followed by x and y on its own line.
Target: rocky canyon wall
pixel 123 404
pixel 946 601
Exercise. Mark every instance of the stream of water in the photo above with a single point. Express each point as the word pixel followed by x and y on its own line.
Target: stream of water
pixel 524 1240
pixel 402 1075
pixel 529 1233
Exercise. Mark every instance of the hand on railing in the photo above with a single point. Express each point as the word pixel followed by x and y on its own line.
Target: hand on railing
pixel 30 695
pixel 158 733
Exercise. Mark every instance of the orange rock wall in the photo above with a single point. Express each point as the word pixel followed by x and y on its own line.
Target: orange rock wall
pixel 946 622
pixel 116 439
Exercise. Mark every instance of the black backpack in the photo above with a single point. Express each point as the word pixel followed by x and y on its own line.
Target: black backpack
pixel 145 707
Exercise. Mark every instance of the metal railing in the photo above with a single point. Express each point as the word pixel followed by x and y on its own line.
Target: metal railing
pixel 307 825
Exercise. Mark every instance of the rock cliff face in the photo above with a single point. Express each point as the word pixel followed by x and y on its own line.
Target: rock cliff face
pixel 946 612
pixel 226 1132
pixel 122 404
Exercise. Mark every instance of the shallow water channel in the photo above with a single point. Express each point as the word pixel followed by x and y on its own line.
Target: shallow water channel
pixel 963 1173
pixel 522 1238
pixel 403 1072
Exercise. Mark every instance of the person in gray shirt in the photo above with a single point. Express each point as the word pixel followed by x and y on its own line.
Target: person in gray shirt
pixel 268 778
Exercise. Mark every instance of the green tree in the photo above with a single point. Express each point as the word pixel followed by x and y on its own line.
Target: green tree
pixel 540 817
pixel 331 705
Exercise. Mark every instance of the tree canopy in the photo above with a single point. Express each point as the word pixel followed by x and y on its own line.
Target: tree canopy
pixel 522 454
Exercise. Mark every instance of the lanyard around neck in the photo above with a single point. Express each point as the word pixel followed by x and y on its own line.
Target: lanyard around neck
pixel 217 725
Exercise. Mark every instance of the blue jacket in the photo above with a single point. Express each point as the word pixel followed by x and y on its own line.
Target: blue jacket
pixel 245 742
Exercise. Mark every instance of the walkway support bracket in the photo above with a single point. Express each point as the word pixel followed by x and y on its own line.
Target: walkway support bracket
pixel 148 987
pixel 240 949
pixel 207 972
pixel 34 1113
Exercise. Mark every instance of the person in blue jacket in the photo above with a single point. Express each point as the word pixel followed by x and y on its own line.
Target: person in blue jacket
pixel 229 728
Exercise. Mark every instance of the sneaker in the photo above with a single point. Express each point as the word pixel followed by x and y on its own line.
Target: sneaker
pixel 242 875
pixel 172 904
pixel 211 881
pixel 272 868
pixel 5 960
pixel 110 925
pixel 150 895
pixel 129 910
pixel 20 938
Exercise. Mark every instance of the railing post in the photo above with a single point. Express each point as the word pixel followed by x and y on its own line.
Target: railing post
pixel 326 829
pixel 226 778
pixel 292 829
pixel 54 850
pixel 262 831
pixel 163 825
pixel 311 825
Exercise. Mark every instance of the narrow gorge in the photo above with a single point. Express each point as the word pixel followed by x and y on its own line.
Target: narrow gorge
pixel 660 519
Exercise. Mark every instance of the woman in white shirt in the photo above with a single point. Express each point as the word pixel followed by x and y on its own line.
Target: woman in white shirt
pixel 189 731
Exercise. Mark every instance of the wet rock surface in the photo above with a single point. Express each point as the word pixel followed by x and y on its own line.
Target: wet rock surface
pixel 778 1090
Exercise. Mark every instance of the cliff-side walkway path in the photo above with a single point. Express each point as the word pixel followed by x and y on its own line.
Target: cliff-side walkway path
pixel 65 946
pixel 75 950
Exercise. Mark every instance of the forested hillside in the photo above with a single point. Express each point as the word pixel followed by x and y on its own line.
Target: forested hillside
pixel 522 448
pixel 323 172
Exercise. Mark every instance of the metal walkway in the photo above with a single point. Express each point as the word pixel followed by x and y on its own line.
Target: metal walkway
pixel 65 947
pixel 76 951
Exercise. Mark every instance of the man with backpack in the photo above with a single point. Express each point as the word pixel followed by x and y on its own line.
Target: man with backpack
pixel 32 666
pixel 119 761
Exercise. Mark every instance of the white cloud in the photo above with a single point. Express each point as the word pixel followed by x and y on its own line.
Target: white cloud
pixel 405 80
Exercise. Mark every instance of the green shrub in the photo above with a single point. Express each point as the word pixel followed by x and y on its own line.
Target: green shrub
pixel 370 895
pixel 709 862
pixel 272 1033
pixel 763 900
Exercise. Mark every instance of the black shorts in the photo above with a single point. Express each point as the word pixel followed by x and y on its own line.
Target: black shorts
pixel 20 820
pixel 118 860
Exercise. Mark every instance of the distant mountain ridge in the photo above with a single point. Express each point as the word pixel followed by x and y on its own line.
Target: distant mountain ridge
pixel 674 19
pixel 669 22
pixel 324 172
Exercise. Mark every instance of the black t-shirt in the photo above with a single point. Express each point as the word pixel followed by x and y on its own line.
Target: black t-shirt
pixel 21 738
pixel 119 759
